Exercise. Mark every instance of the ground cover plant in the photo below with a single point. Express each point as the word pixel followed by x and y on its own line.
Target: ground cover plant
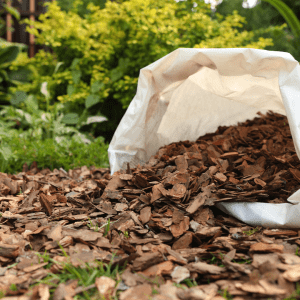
pixel 153 231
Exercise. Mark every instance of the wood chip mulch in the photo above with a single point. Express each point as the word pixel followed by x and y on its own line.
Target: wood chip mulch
pixel 163 225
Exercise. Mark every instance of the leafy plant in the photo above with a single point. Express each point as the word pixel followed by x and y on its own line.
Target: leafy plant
pixel 104 50
pixel 288 15
pixel 10 78
pixel 267 22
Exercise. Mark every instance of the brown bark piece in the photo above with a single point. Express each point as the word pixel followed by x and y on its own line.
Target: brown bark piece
pixel 145 214
pixel 293 274
pixel 163 268
pixel 141 292
pixel 156 193
pixel 183 242
pixel 65 291
pixel 56 233
pixel 280 232
pixel 207 231
pixel 262 247
pixel 177 216
pixel 220 177
pixel 180 273
pixel 126 176
pixel 295 173
pixel 181 163
pixel 178 229
pixel 198 201
pixel 45 204
pixel 105 286
pixel 13 186
pixel 177 192
pixel 204 268
pixel 9 250
pixel 146 261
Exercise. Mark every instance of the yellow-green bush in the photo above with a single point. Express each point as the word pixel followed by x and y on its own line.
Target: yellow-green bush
pixel 103 52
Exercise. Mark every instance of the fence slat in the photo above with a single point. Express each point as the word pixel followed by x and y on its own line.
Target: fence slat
pixel 28 9
pixel 8 25
pixel 31 36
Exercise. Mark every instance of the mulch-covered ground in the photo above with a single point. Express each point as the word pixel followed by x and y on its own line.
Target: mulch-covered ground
pixel 157 223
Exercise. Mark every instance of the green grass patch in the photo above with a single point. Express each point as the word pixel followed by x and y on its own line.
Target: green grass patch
pixel 50 154
pixel 85 275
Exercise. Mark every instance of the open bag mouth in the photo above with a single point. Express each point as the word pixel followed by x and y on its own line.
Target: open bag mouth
pixel 194 92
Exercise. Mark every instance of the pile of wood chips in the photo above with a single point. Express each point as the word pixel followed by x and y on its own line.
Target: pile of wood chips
pixel 159 220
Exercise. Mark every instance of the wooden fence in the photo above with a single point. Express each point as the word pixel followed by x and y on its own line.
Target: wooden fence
pixel 28 9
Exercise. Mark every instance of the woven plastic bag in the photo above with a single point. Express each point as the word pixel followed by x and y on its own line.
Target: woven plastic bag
pixel 191 92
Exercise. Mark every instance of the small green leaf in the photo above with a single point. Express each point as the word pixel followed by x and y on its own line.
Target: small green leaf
pixel 32 103
pixel 70 89
pixel 8 54
pixel 57 66
pixel 6 152
pixel 97 86
pixel 116 74
pixel 91 100
pixel 288 15
pixel 18 97
pixel 22 74
pixel 12 11
pixel 76 74
pixel 71 118
pixel 75 63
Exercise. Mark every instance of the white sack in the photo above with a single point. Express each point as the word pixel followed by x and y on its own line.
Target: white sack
pixel 191 92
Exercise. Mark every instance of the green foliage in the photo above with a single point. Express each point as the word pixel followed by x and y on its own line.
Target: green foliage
pixel 16 150
pixel 251 231
pixel 47 137
pixel 264 20
pixel 85 275
pixel 13 287
pixel 104 49
pixel 190 283
pixel 288 15
pixel 225 294
pixel 92 226
pixel 4 7
pixel 79 7
pixel 9 78
pixel 106 228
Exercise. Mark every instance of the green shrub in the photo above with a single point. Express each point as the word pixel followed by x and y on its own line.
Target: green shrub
pixel 103 52
pixel 29 134
pixel 8 77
